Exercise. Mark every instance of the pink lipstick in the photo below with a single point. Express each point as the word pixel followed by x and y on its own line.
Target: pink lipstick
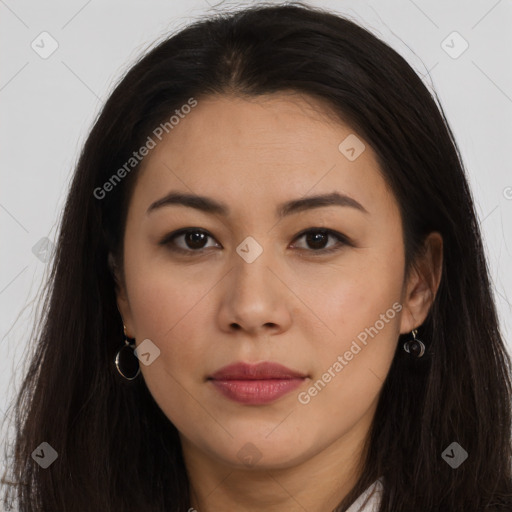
pixel 256 384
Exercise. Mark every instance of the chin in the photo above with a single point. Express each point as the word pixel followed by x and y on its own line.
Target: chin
pixel 259 453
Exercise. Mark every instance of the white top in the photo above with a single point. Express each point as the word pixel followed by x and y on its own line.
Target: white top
pixel 372 505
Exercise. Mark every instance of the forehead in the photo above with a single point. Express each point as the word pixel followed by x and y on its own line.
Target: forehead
pixel 272 147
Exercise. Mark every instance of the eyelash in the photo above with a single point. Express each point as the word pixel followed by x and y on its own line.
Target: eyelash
pixel 168 240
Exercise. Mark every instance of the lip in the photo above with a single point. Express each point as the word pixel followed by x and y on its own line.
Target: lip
pixel 256 383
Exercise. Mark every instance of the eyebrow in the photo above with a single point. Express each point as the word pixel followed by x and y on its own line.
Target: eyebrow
pixel 212 206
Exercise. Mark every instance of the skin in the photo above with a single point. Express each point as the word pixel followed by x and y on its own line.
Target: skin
pixel 292 305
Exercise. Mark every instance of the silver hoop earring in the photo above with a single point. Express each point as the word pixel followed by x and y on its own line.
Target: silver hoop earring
pixel 414 347
pixel 126 361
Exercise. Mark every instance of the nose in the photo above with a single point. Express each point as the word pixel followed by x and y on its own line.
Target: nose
pixel 255 298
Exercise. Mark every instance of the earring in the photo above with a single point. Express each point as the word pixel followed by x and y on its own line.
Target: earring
pixel 126 361
pixel 414 346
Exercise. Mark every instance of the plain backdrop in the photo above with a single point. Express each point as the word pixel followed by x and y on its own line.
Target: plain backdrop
pixel 49 100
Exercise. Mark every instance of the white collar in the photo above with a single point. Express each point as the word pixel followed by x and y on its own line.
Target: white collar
pixel 372 505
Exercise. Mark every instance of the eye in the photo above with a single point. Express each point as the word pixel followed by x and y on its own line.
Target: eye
pixel 318 237
pixel 193 238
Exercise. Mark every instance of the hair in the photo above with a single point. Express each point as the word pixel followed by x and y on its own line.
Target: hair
pixel 116 449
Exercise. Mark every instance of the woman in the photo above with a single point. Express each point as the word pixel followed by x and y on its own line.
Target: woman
pixel 272 209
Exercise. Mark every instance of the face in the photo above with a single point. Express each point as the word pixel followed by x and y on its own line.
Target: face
pixel 317 287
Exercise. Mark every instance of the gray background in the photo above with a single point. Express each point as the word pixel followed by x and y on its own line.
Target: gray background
pixel 48 104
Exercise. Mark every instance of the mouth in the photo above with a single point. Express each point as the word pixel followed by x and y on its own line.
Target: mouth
pixel 256 384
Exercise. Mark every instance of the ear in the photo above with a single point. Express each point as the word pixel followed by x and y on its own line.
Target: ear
pixel 422 284
pixel 123 304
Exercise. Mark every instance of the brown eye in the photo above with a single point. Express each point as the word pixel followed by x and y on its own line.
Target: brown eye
pixel 191 240
pixel 194 240
pixel 317 240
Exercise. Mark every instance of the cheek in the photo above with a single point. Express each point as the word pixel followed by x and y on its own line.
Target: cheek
pixel 361 307
pixel 351 362
pixel 161 294
pixel 355 294
pixel 172 316
pixel 172 307
pixel 167 311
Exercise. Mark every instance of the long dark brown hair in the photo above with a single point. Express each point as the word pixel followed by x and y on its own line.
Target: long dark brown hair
pixel 117 451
